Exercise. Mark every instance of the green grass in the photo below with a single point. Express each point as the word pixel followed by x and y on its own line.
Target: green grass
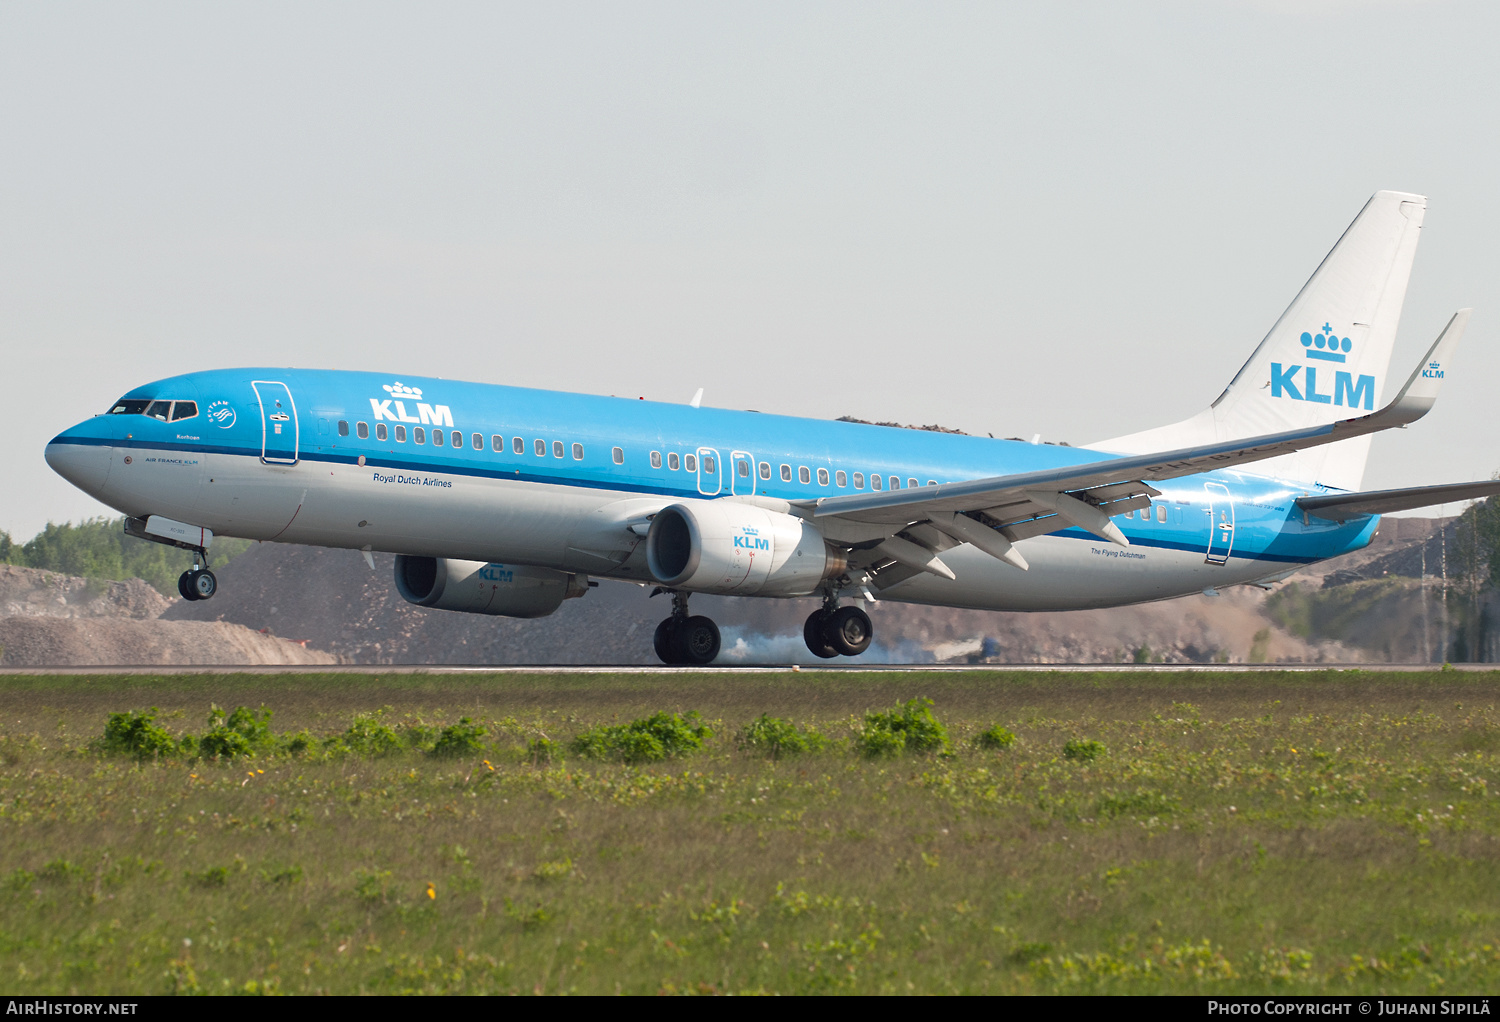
pixel 1296 833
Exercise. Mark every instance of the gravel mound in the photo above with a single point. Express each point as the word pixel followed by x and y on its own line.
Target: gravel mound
pixel 99 641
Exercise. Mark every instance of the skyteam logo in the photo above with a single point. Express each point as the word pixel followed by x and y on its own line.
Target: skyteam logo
pixel 221 414
pixel 394 407
pixel 1324 346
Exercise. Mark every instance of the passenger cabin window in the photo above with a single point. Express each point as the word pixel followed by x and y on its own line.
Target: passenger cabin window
pixel 380 431
pixel 419 434
pixel 557 448
pixel 578 452
pixel 1161 513
pixel 400 434
pixel 874 482
pixel 842 478
pixel 742 468
pixel 363 430
pixel 541 448
pixel 130 406
pixel 691 461
pixel 803 475
pixel 912 483
pixel 895 482
pixel 932 482
pixel 673 463
pixel 518 445
pixel 822 477
pixel 859 480
pixel 343 428
pixel 765 470
pixel 437 438
pixel 458 439
pixel 617 455
pixel 786 473
pixel 184 410
pixel 476 440
pixel 497 444
pixel 656 459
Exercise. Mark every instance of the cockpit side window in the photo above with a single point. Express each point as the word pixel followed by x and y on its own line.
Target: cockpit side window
pixel 184 410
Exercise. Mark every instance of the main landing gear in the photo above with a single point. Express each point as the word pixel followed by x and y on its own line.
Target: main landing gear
pixel 837 631
pixel 198 583
pixel 683 640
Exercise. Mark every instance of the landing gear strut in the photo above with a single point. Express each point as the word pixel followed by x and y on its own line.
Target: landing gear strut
pixel 686 640
pixel 834 631
pixel 198 583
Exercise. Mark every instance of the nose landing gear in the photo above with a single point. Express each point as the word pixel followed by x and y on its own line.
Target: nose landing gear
pixel 198 583
pixel 834 631
pixel 683 640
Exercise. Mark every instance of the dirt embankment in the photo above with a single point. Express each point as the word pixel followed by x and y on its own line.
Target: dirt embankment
pixel 52 620
pixel 294 605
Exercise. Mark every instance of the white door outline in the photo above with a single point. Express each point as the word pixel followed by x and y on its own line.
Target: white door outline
pixel 1220 523
pixel 278 422
pixel 741 485
pixel 709 478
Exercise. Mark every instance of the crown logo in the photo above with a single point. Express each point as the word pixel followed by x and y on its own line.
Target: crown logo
pixel 1326 345
pixel 399 389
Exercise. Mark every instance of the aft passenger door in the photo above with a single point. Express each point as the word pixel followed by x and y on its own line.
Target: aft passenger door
pixel 278 423
pixel 709 482
pixel 1220 523
pixel 742 473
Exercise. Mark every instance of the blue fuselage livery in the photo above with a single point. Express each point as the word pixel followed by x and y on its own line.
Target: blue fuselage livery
pixel 509 475
pixel 506 501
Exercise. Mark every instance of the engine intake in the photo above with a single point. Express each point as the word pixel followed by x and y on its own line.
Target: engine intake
pixel 474 587
pixel 726 547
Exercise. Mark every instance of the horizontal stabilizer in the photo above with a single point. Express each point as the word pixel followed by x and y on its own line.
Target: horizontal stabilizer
pixel 1340 507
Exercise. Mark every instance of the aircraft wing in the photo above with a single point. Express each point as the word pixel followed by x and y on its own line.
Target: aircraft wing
pixel 995 512
pixel 1340 507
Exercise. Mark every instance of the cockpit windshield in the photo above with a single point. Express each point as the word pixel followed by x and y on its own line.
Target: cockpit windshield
pixel 162 410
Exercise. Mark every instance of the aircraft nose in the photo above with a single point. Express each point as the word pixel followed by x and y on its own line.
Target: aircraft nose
pixel 83 462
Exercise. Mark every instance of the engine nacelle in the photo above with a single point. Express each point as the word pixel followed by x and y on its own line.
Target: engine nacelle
pixel 475 587
pixel 723 546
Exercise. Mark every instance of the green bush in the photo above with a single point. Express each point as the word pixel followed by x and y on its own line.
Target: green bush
pixel 461 739
pixel 370 736
pixel 906 728
pixel 660 736
pixel 136 734
pixel 996 737
pixel 543 750
pixel 779 737
pixel 1083 749
pixel 244 732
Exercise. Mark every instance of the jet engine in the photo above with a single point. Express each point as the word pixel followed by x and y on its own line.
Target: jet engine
pixel 474 587
pixel 721 546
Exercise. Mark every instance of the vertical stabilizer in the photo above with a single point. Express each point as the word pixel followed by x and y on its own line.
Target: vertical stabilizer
pixel 1326 358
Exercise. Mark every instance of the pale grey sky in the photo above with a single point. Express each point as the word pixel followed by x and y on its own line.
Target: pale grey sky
pixel 1068 218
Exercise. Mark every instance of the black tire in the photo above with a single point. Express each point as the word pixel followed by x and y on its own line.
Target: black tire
pixel 663 641
pixel 203 584
pixel 849 631
pixel 812 634
pixel 183 589
pixel 696 641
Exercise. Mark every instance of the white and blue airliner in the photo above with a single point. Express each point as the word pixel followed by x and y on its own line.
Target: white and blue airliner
pixel 507 501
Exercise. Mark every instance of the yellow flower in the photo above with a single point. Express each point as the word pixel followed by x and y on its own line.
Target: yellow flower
pixel 431 892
